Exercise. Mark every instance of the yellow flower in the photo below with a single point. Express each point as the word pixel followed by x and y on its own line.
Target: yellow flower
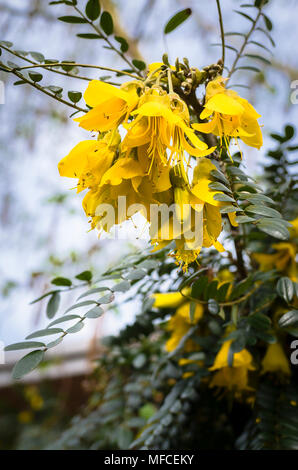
pixel 124 178
pixel 110 105
pixel 89 160
pixel 284 258
pixel 25 417
pixel 162 121
pixel 275 360
pixel 200 199
pixel 235 377
pixel 231 115
pixel 168 300
pixel 180 323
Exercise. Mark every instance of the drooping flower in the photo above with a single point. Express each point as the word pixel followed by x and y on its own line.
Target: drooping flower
pixel 110 105
pixel 275 360
pixel 89 160
pixel 182 319
pixel 204 222
pixel 180 323
pixel 162 122
pixel 230 116
pixel 235 377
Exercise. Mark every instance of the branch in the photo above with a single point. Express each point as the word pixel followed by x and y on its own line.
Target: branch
pixel 105 37
pixel 222 33
pixel 43 90
pixel 246 39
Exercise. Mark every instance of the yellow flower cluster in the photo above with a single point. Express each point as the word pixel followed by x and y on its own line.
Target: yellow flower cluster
pixel 147 160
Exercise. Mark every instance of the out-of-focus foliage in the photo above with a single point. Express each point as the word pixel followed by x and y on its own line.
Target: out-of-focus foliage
pixel 206 362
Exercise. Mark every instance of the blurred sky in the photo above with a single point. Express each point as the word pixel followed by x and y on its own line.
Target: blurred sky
pixel 41 237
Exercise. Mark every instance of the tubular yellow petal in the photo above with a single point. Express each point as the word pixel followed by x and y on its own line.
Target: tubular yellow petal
pixel 75 162
pixel 222 103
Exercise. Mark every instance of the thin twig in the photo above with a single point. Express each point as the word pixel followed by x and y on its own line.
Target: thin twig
pixel 246 39
pixel 59 64
pixel 222 33
pixel 43 90
pixel 105 37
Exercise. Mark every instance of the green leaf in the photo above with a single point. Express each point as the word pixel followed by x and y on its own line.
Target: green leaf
pixel 217 174
pixel 241 288
pixel 63 319
pixel 84 276
pixel 136 274
pixel 93 9
pixel 61 281
pixel 95 290
pixel 139 64
pixel 249 68
pixel 43 296
pixel 266 34
pixel 258 57
pixel 222 292
pixel 24 345
pixel 54 343
pixel 288 319
pixel 74 96
pixel 27 364
pixel 81 304
pixel 228 209
pixel 273 228
pixel 223 198
pixel 94 312
pixel 234 34
pixel 177 20
pixel 45 332
pixel 55 89
pixel 199 287
pixel 106 23
pixel 89 36
pixel 255 198
pixel 243 219
pixel 123 286
pixel 285 289
pixel 244 15
pixel 6 43
pixel 262 210
pixel 268 22
pixel 106 299
pixel 68 65
pixel 53 305
pixel 77 327
pixel 219 187
pixel 256 43
pixel 289 132
pixel 139 361
pixel 259 321
pixel 213 307
pixel 35 76
pixel 37 56
pixel 123 43
pixel 72 19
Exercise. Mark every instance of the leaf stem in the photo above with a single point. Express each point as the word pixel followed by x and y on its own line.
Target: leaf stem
pixel 245 42
pixel 105 37
pixel 43 90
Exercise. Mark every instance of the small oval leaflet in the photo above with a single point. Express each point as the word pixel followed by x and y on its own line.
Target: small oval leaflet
pixel 27 363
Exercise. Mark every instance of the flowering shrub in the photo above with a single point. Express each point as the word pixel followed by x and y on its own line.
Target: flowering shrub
pixel 213 350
